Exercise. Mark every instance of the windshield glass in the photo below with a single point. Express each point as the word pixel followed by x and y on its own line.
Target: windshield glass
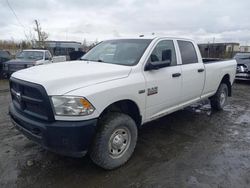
pixel 242 56
pixel 122 52
pixel 4 54
pixel 34 55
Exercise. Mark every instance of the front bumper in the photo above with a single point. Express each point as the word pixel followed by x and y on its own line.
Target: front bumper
pixel 242 76
pixel 70 138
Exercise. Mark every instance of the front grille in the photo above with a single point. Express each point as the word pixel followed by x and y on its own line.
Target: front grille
pixel 15 67
pixel 31 99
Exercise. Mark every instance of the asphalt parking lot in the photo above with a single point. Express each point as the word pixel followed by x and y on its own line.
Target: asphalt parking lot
pixel 194 147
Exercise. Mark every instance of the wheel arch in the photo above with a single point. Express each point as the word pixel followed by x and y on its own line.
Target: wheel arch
pixel 126 106
pixel 226 80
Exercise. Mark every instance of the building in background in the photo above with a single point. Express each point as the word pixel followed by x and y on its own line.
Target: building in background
pixel 219 50
pixel 244 48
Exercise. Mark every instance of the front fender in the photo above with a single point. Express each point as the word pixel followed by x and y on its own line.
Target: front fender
pixel 104 94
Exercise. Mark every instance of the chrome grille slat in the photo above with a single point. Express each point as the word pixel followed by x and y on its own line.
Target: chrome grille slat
pixel 31 99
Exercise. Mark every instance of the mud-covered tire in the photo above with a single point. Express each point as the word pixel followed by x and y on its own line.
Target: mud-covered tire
pixel 219 100
pixel 110 136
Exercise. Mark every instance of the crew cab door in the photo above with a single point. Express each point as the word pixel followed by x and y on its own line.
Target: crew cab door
pixel 163 85
pixel 193 72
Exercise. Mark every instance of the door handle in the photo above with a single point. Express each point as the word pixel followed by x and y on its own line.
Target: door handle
pixel 200 70
pixel 176 75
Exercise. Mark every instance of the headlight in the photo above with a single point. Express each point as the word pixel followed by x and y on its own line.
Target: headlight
pixel 71 106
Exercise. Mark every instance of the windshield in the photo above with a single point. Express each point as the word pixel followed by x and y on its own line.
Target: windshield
pixel 4 54
pixel 242 56
pixel 34 55
pixel 121 52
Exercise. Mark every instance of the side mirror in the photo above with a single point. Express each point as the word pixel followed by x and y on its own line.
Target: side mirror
pixel 157 65
pixel 154 63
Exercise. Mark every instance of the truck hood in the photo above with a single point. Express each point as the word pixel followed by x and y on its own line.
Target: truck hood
pixel 243 61
pixel 61 78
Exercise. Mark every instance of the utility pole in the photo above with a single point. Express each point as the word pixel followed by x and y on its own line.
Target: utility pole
pixel 37 29
pixel 42 36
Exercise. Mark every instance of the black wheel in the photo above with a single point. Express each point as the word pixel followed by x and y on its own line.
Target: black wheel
pixel 115 141
pixel 219 100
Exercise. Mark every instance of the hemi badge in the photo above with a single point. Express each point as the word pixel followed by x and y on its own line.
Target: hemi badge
pixel 141 91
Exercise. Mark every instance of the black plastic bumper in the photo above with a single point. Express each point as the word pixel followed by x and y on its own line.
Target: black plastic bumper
pixel 70 138
pixel 242 76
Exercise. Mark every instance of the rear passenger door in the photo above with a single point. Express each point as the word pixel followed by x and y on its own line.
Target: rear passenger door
pixel 193 72
pixel 163 86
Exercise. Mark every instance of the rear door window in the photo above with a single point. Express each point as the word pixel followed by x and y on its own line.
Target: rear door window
pixel 188 53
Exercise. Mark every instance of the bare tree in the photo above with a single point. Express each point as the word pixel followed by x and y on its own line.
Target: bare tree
pixel 41 35
pixel 85 44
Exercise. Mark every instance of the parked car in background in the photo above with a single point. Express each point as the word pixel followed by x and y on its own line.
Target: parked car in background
pixel 4 56
pixel 60 58
pixel 243 66
pixel 29 58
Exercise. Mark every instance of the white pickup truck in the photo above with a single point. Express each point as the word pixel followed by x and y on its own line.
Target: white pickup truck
pixel 98 103
pixel 30 58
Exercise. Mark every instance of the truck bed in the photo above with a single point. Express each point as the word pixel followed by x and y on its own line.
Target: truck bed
pixel 211 60
pixel 215 70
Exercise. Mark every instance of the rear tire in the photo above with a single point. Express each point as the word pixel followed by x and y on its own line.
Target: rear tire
pixel 115 141
pixel 219 100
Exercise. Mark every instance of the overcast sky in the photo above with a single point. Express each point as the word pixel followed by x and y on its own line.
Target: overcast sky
pixel 202 20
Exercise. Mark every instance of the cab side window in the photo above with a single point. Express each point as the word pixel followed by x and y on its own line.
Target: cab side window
pixel 188 53
pixel 164 51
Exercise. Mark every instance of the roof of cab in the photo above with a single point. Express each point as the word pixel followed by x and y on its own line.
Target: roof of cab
pixel 152 38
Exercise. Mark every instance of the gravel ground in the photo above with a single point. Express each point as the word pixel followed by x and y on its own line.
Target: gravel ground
pixel 194 147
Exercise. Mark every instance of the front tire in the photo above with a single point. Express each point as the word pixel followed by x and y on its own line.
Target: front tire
pixel 219 100
pixel 115 141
